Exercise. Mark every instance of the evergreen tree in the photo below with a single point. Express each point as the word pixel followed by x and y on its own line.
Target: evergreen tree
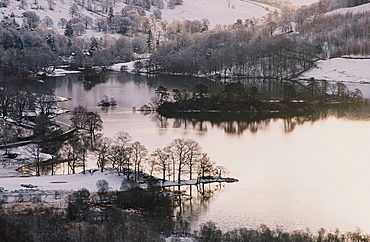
pixel 69 44
pixel 94 45
pixel 110 15
pixel 51 42
pixel 69 31
pixel 18 42
pixel 149 41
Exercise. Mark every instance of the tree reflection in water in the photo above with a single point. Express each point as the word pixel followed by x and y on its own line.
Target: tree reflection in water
pixel 190 201
pixel 238 123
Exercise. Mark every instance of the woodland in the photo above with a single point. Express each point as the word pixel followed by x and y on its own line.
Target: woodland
pixel 266 47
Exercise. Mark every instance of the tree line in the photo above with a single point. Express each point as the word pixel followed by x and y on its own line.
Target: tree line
pixel 338 34
pixel 210 232
pixel 242 49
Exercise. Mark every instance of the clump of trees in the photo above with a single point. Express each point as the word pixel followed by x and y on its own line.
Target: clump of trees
pixel 338 34
pixel 88 218
pixel 20 105
pixel 236 97
pixel 240 50
pixel 210 232
pixel 29 48
pixel 181 159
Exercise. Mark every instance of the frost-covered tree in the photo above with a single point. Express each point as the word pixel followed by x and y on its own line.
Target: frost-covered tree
pixel 51 4
pixel 48 22
pixel 157 14
pixel 157 3
pixel 74 11
pixel 23 4
pixel 101 25
pixel 87 20
pixel 79 28
pixel 31 19
pixel 4 3
pixel 62 22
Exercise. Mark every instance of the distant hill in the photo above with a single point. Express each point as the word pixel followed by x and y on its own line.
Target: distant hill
pixel 354 10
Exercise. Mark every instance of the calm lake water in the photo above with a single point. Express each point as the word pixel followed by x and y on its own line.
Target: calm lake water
pixel 295 173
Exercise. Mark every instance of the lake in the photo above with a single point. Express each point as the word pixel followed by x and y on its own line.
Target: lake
pixel 296 173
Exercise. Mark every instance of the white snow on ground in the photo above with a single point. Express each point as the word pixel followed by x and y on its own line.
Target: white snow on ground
pixel 340 69
pixel 216 11
pixel 302 2
pixel 65 182
pixel 358 9
pixel 62 72
pixel 117 67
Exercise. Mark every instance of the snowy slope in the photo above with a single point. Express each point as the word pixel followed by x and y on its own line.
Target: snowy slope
pixel 353 10
pixel 217 11
pixel 302 2
pixel 340 69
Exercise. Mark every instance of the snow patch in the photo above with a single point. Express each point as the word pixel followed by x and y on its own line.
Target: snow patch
pixel 72 182
pixel 341 70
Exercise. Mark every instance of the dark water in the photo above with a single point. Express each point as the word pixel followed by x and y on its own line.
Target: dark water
pixel 294 172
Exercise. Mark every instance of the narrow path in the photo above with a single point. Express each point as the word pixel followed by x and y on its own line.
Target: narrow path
pixel 257 4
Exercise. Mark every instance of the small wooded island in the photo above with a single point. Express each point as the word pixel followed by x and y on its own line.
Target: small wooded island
pixel 107 102
pixel 236 98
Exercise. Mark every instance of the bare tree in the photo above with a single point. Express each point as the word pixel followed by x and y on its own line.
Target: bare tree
pixel 139 154
pixel 183 152
pixel 62 22
pixel 48 21
pixel 93 122
pixel 46 103
pixel 121 153
pixel 162 160
pixel 104 152
pixel 193 155
pixel 8 134
pixel 205 166
pixel 70 153
pixel 74 11
pixel 35 151
pixel 51 4
pixel 79 117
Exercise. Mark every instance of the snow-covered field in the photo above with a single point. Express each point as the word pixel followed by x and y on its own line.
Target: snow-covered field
pixel 302 2
pixel 216 11
pixel 340 69
pixel 358 9
pixel 71 182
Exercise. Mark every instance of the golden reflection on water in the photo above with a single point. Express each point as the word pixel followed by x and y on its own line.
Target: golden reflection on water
pixel 316 176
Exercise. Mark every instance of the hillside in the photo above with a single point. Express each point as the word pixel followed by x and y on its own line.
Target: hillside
pixel 353 10
pixel 216 11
